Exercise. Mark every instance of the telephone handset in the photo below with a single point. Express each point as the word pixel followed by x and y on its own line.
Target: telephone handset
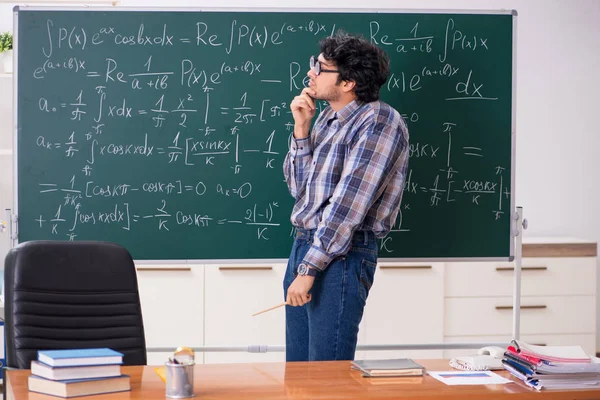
pixel 487 358
pixel 494 351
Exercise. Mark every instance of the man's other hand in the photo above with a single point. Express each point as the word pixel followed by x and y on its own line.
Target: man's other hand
pixel 297 294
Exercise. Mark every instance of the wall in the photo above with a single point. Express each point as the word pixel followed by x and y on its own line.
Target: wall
pixel 557 166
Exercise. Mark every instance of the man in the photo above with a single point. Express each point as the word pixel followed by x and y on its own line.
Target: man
pixel 347 176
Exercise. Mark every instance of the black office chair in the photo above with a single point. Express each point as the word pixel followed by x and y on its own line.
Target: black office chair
pixel 66 295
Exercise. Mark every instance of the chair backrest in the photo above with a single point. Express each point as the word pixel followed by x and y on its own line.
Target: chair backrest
pixel 66 295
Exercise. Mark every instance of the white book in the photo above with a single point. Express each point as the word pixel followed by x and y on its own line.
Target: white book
pixel 81 372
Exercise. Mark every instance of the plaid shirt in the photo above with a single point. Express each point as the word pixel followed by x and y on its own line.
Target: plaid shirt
pixel 347 175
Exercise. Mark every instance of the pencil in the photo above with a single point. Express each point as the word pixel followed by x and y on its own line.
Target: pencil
pixel 162 373
pixel 269 309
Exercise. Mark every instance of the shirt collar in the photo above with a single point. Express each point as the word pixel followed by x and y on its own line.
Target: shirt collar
pixel 348 111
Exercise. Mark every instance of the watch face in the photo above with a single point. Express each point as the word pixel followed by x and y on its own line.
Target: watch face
pixel 302 269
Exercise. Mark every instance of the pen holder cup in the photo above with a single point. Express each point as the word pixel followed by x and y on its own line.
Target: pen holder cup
pixel 180 380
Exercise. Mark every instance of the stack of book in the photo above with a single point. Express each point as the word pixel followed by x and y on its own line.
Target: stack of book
pixel 391 367
pixel 551 367
pixel 80 372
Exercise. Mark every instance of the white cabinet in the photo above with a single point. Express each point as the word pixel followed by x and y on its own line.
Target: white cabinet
pixel 232 294
pixel 172 299
pixel 539 315
pixel 558 300
pixel 409 303
pixel 405 306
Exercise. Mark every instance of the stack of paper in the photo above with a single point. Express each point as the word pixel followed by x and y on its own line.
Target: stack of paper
pixel 551 367
pixel 391 367
pixel 561 354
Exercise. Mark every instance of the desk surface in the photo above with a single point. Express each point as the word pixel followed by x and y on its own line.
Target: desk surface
pixel 314 381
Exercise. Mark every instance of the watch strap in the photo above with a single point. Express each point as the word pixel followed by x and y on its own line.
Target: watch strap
pixel 306 269
pixel 311 271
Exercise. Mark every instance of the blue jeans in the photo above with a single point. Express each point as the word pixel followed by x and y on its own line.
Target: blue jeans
pixel 326 328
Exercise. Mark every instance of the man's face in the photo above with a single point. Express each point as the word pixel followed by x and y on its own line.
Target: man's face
pixel 326 83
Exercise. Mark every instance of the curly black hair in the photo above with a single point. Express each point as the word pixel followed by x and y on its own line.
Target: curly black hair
pixel 358 60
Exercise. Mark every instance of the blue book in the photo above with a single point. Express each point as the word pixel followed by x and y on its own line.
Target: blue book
pixel 67 358
pixel 519 367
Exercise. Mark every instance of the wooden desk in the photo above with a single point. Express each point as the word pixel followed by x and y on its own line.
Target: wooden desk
pixel 314 381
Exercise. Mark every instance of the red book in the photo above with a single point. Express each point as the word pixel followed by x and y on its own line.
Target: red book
pixel 533 360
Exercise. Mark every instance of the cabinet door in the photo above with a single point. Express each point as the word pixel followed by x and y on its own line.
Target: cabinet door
pixel 539 277
pixel 172 301
pixel 159 358
pixel 233 294
pixel 405 306
pixel 539 315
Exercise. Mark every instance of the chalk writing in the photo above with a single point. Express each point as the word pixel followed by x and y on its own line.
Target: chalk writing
pixel 168 129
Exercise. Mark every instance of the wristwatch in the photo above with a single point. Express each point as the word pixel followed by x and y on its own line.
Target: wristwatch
pixel 304 269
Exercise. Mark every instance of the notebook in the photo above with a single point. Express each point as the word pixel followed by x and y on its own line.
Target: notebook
pixel 388 367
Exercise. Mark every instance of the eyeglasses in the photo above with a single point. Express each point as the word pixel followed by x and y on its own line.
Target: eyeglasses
pixel 316 66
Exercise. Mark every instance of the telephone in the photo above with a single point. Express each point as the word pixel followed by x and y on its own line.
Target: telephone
pixel 487 358
pixel 494 351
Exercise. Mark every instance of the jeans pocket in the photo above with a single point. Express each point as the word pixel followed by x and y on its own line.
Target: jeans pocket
pixel 367 275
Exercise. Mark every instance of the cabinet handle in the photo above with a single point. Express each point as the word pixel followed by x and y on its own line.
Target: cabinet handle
pixel 534 307
pixel 163 269
pixel 406 267
pixel 243 268
pixel 522 268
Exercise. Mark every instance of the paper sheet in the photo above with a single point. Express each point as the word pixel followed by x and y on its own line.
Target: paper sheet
pixel 469 377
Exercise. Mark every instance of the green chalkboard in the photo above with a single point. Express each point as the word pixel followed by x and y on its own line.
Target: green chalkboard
pixel 165 131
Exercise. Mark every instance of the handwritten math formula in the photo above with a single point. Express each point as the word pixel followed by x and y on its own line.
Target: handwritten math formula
pixel 173 126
